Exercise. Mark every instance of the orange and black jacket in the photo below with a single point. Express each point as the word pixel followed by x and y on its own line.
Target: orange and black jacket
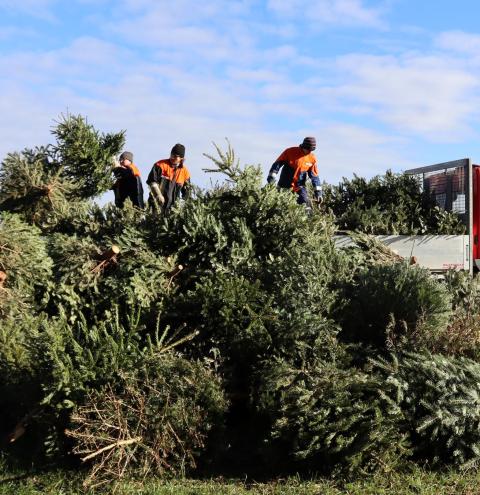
pixel 128 185
pixel 296 166
pixel 172 181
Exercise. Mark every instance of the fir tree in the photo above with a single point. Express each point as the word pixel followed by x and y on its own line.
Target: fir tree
pixel 440 400
pixel 26 265
pixel 388 204
pixel 85 155
pixel 48 183
pixel 393 304
pixel 327 419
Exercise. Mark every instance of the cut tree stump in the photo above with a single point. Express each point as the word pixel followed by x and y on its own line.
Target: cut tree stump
pixel 110 253
pixel 106 258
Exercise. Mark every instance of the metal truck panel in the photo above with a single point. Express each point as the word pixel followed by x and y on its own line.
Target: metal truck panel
pixel 452 186
pixel 438 253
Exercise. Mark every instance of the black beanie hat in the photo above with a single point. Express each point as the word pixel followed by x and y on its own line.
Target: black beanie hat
pixel 126 155
pixel 309 143
pixel 179 150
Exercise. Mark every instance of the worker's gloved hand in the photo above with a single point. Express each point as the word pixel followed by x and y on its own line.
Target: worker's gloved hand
pixel 272 177
pixel 318 196
pixel 270 180
pixel 157 194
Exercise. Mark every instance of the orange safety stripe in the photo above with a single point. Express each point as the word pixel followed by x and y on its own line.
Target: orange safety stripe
pixel 180 174
pixel 134 169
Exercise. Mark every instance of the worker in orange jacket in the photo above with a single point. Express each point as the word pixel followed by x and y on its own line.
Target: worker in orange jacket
pixel 298 163
pixel 168 179
pixel 128 184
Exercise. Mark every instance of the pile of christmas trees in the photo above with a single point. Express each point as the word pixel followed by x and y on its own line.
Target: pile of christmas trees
pixel 389 204
pixel 230 336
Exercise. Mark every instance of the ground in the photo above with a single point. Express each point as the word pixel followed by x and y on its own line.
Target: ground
pixel 415 481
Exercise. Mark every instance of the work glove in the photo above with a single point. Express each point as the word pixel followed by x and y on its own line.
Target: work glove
pixel 157 194
pixel 272 177
pixel 318 196
pixel 270 180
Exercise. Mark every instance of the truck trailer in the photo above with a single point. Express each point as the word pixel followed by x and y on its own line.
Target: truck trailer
pixel 455 186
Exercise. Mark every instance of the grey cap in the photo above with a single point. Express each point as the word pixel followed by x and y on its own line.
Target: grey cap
pixel 126 155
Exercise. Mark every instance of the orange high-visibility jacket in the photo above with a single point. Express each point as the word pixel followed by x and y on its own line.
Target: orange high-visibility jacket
pixel 171 180
pixel 179 174
pixel 134 169
pixel 128 185
pixel 296 166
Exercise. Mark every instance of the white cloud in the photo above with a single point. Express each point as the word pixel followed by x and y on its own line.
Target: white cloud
pixel 151 132
pixel 194 35
pixel 197 73
pixel 15 33
pixel 254 75
pixel 432 96
pixel 30 120
pixel 345 149
pixel 459 41
pixel 330 12
pixel 196 113
pixel 85 60
pixel 41 9
pixel 187 10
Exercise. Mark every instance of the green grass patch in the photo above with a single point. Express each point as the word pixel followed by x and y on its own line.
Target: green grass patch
pixel 415 481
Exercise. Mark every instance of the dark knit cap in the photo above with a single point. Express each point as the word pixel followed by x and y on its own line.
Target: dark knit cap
pixel 309 143
pixel 126 155
pixel 178 150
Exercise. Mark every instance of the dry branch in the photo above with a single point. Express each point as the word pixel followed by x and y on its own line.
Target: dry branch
pixel 173 274
pixel 120 443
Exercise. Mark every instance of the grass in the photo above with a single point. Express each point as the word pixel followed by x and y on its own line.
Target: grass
pixel 415 481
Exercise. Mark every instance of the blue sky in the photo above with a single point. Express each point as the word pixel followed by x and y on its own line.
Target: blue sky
pixel 380 84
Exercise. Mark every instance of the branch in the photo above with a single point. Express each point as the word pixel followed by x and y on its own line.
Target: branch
pixel 180 341
pixel 173 274
pixel 120 443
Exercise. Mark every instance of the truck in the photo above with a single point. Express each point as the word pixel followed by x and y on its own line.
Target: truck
pixel 455 186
